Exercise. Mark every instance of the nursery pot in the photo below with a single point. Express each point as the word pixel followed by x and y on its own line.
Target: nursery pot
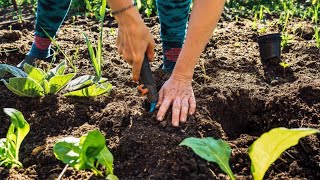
pixel 270 46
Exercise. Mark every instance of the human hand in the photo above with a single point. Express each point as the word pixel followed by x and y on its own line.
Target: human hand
pixel 134 41
pixel 177 92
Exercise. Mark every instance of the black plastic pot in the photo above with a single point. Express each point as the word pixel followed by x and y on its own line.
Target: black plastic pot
pixel 270 46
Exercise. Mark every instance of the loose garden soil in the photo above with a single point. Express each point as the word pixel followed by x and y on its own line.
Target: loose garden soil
pixel 239 97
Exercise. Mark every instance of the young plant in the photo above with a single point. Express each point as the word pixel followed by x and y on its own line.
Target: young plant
pixel 212 150
pixel 90 86
pixel 263 152
pixel 37 82
pixel 9 146
pixel 86 152
pixel 284 65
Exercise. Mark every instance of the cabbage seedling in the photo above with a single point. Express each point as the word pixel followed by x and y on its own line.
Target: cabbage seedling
pixel 86 152
pixel 9 146
pixel 34 82
pixel 263 152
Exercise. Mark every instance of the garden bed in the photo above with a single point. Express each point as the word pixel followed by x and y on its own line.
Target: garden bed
pixel 238 99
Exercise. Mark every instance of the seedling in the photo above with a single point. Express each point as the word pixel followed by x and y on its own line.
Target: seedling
pixel 10 146
pixel 34 82
pixel 284 65
pixel 86 152
pixel 263 152
pixel 90 86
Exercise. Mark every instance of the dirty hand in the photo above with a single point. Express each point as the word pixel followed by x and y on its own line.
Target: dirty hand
pixel 134 41
pixel 177 92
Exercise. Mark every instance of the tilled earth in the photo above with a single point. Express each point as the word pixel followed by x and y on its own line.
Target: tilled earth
pixel 238 99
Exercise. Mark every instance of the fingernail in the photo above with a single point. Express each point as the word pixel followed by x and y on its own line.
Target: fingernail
pixel 159 118
pixel 183 120
pixel 175 123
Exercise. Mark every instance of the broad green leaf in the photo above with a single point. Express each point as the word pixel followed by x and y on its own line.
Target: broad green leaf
pixel 106 158
pixel 21 127
pixel 57 82
pixel 34 73
pixel 265 150
pixel 91 145
pixel 11 69
pixel 84 81
pixel 139 5
pixel 46 87
pixel 67 150
pixel 58 70
pixel 92 91
pixel 212 150
pixel 23 86
pixel 80 82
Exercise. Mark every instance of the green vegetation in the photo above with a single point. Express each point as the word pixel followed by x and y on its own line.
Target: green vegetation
pixel 34 82
pixel 263 152
pixel 10 146
pixel 86 152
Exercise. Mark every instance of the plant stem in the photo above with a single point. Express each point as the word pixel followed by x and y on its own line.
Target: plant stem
pixel 63 171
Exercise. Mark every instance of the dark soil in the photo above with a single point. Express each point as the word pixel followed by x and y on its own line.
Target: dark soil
pixel 238 99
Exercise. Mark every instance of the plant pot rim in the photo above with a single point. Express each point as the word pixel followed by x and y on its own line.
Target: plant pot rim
pixel 269 36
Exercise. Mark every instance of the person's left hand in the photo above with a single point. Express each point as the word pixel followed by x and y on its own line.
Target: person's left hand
pixel 177 92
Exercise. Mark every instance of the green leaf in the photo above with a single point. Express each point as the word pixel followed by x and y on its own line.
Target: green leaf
pixel 67 150
pixel 93 58
pixel 23 86
pixel 212 150
pixel 92 91
pixel 21 127
pixel 106 158
pixel 265 150
pixel 34 73
pixel 103 10
pixel 57 82
pixel 91 145
pixel 2 148
pixel 80 82
pixel 11 69
pixel 112 177
pixel 58 70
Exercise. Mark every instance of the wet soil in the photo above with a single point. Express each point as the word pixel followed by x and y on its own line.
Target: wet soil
pixel 239 97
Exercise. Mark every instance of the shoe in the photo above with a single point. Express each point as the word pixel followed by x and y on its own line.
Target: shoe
pixel 31 60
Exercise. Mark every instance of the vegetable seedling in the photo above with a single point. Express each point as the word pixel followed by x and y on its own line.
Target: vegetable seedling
pixel 263 152
pixel 284 65
pixel 91 86
pixel 10 146
pixel 34 82
pixel 86 152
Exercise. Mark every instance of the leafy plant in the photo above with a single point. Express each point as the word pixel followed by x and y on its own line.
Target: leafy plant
pixel 263 152
pixel 37 82
pixel 10 146
pixel 90 86
pixel 212 150
pixel 86 152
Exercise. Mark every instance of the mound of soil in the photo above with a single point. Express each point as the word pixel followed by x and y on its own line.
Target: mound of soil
pixel 238 98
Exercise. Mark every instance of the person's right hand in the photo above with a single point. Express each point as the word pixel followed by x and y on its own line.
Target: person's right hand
pixel 134 40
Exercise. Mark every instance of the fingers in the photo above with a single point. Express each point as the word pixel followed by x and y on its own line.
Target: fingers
pixel 150 50
pixel 192 105
pixel 176 107
pixel 160 98
pixel 136 67
pixel 163 109
pixel 184 110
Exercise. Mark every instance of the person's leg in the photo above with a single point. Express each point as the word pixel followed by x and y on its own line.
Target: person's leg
pixel 173 16
pixel 50 15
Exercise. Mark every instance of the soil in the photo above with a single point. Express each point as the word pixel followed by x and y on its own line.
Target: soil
pixel 239 97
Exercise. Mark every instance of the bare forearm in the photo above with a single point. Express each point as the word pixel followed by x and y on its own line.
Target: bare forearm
pixel 204 18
